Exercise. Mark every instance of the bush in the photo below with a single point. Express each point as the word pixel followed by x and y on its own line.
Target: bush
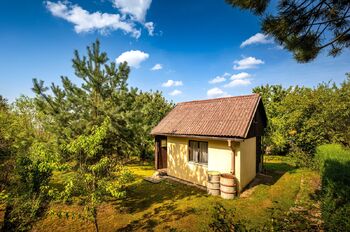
pixel 300 157
pixel 334 164
pixel 22 212
pixel 223 220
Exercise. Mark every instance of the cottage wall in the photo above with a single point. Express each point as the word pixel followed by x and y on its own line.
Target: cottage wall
pixel 178 165
pixel 219 159
pixel 247 161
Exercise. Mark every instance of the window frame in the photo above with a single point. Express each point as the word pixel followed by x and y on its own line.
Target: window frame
pixel 199 152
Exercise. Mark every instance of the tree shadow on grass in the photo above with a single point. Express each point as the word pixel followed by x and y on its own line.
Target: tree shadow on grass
pixel 161 214
pixel 335 194
pixel 277 170
pixel 143 195
pixel 270 175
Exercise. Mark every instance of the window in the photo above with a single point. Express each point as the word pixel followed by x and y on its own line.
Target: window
pixel 198 151
pixel 163 143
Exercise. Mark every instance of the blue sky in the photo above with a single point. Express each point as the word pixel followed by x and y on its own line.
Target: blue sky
pixel 192 44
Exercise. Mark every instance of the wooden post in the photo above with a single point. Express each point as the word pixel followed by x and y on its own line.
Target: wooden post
pixel 156 153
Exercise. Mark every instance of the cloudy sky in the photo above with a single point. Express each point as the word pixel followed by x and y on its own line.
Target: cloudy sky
pixel 185 49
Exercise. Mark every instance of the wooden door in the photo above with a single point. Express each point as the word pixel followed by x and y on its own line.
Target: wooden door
pixel 161 152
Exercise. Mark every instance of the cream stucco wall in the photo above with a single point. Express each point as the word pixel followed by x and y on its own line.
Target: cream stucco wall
pixel 219 159
pixel 178 165
pixel 247 170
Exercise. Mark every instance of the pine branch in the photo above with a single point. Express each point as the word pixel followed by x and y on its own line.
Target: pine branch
pixel 335 39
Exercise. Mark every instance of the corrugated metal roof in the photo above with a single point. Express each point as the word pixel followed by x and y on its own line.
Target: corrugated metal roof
pixel 220 117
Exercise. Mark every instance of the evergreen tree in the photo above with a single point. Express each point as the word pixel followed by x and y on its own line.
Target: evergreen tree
pixel 304 27
pixel 98 125
pixel 74 110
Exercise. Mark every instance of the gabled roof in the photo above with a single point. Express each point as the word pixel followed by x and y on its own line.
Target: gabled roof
pixel 220 117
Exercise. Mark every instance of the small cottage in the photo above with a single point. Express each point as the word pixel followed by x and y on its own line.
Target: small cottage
pixel 222 134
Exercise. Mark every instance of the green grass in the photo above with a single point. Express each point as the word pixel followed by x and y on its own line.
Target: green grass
pixel 332 152
pixel 334 165
pixel 174 206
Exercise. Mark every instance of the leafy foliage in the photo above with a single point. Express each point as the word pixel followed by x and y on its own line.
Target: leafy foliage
pixel 304 27
pixel 223 220
pixel 98 126
pixel 302 118
pixel 74 110
pixel 27 167
pixel 89 130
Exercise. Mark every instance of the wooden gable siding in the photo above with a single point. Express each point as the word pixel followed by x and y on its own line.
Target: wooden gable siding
pixel 259 122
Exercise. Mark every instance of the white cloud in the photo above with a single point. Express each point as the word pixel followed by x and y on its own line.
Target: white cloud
pixel 171 83
pixel 219 79
pixel 133 57
pixel 237 82
pixel 247 63
pixel 150 28
pixel 136 8
pixel 85 21
pixel 258 38
pixel 175 92
pixel 157 67
pixel 240 75
pixel 216 92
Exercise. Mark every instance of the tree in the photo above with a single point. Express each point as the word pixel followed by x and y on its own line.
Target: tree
pixel 304 27
pixel 302 118
pixel 98 175
pixel 272 96
pixel 3 103
pixel 97 126
pixel 72 110
pixel 149 109
pixel 27 167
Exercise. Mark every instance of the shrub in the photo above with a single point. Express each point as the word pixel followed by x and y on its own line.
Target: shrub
pixel 22 211
pixel 300 157
pixel 223 220
pixel 334 164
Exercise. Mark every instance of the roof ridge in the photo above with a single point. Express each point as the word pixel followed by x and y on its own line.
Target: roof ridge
pixel 217 99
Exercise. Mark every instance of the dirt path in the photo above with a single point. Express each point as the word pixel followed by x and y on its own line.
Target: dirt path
pixel 306 205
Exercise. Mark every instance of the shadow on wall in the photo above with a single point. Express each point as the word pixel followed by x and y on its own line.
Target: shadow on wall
pixel 178 165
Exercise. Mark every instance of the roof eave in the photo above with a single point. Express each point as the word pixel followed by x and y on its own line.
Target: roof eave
pixel 221 138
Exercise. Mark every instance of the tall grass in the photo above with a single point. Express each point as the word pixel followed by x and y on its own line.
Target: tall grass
pixel 332 152
pixel 334 164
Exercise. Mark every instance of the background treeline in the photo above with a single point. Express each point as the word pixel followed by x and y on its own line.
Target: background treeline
pixel 301 118
pixel 88 130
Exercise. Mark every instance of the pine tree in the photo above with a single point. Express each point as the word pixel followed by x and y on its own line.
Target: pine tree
pixel 98 124
pixel 304 27
pixel 74 110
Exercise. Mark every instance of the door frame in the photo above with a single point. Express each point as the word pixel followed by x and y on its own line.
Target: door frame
pixel 160 153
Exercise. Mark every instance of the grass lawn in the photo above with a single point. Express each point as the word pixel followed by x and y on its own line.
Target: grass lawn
pixel 172 206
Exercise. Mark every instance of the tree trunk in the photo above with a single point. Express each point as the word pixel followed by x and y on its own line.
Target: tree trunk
pixel 95 222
